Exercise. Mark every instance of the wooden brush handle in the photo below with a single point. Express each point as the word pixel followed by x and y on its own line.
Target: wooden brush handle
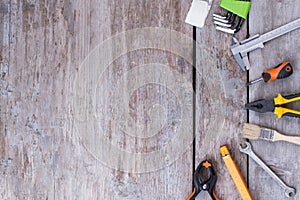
pixel 291 139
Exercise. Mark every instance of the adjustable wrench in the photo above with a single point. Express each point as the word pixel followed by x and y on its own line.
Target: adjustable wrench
pixel 289 191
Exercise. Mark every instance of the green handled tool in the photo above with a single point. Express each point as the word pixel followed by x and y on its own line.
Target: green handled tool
pixel 240 8
pixel 233 21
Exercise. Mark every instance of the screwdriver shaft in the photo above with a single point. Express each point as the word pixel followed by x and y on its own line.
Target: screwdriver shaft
pixel 255 81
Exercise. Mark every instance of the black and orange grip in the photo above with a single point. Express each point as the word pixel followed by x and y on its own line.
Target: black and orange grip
pixel 204 185
pixel 191 196
pixel 214 196
pixel 283 70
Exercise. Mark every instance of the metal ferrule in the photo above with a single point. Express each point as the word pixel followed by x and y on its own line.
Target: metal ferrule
pixel 266 134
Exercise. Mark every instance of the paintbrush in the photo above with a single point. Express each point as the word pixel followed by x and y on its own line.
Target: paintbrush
pixel 255 132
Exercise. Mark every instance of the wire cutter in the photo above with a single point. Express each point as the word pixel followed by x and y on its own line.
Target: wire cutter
pixel 203 183
pixel 274 105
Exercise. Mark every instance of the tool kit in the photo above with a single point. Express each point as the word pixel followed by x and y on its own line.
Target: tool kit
pixel 231 22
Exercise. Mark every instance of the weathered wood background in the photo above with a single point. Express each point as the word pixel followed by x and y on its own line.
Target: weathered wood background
pixel 74 78
pixel 43 46
pixel 221 95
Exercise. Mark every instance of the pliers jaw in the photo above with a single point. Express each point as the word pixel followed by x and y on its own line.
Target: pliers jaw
pixel 261 106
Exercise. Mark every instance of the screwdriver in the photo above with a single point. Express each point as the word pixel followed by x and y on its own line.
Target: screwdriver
pixel 283 70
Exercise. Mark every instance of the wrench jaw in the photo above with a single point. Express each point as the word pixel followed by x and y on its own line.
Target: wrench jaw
pixel 245 148
pixel 290 192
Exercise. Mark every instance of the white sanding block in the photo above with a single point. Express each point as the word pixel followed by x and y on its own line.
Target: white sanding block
pixel 198 13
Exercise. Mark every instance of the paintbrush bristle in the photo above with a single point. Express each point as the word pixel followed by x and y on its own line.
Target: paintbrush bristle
pixel 251 131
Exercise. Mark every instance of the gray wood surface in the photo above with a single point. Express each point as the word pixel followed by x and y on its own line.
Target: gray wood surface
pixel 282 157
pixel 51 100
pixel 96 100
pixel 221 95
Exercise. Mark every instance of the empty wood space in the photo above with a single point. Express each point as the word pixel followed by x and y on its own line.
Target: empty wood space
pixel 123 99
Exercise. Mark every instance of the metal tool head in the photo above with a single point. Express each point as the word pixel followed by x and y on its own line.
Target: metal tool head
pixel 235 42
pixel 237 11
pixel 242 60
pixel 230 23
pixel 245 148
pixel 290 192
pixel 261 106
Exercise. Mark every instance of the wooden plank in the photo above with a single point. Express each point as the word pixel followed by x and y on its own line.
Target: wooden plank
pixel 282 157
pixel 42 133
pixel 5 89
pixel 221 95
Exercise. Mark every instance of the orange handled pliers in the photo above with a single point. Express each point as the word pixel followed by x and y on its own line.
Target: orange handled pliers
pixel 205 185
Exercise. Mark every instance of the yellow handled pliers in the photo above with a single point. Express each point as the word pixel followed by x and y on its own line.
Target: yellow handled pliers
pixel 275 104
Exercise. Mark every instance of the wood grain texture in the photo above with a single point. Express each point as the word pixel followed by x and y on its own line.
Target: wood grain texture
pixel 221 95
pixel 282 157
pixel 43 44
